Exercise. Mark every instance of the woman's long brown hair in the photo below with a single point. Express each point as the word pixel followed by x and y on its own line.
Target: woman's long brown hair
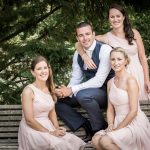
pixel 49 82
pixel 129 34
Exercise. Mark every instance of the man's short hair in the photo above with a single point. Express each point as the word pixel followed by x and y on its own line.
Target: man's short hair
pixel 83 24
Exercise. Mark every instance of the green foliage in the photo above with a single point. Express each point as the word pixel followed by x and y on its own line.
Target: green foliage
pixel 47 27
pixel 142 23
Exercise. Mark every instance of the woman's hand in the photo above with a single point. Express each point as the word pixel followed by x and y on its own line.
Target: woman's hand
pixel 109 128
pixel 62 128
pixel 88 61
pixel 147 87
pixel 60 131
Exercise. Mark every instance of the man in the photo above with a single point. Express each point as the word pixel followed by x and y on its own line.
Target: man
pixel 87 87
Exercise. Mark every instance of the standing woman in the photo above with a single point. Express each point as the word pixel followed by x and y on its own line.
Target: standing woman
pixel 122 35
pixel 39 128
pixel 128 127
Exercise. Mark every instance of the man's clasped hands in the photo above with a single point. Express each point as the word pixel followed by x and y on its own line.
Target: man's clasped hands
pixel 63 91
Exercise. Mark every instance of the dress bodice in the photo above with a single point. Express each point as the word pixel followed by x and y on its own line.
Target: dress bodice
pixel 131 50
pixel 42 102
pixel 115 41
pixel 119 98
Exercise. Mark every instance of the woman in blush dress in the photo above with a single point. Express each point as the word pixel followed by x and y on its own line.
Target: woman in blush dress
pixel 39 128
pixel 128 127
pixel 122 35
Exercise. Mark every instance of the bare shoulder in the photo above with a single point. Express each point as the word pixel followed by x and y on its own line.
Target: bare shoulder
pixel 131 81
pixel 136 33
pixel 27 91
pixel 109 83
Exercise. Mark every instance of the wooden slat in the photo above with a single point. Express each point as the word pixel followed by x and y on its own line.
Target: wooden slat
pixel 8 147
pixel 10 107
pixel 8 129
pixel 10 112
pixel 10 144
pixel 145 102
pixel 9 118
pixel 9 141
pixel 8 135
pixel 9 123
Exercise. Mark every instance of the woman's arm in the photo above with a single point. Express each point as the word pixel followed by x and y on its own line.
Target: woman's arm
pixel 133 93
pixel 103 38
pixel 110 114
pixel 143 60
pixel 53 117
pixel 27 106
pixel 60 131
pixel 110 111
pixel 87 60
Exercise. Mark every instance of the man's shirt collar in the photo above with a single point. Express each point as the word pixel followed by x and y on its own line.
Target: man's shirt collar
pixel 91 48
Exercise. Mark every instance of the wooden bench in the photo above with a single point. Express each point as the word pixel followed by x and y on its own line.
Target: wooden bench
pixel 10 116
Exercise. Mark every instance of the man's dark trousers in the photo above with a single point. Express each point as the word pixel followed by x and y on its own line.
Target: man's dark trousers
pixel 93 100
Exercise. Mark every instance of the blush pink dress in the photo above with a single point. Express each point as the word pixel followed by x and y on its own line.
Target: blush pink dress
pixel 30 139
pixel 136 135
pixel 134 66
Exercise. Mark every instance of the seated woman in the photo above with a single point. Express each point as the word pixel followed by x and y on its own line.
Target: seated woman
pixel 128 127
pixel 39 129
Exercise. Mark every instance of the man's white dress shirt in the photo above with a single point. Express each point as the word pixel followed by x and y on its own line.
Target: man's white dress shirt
pixel 102 72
